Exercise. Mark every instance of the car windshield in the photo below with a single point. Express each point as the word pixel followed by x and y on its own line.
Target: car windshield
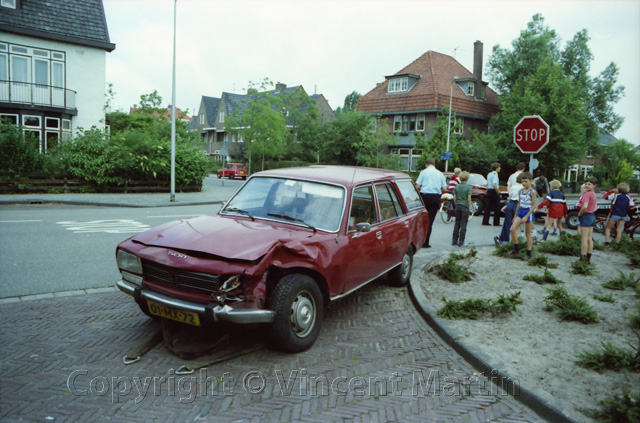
pixel 311 204
pixel 477 179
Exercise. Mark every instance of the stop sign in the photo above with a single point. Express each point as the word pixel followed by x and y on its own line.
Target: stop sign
pixel 531 134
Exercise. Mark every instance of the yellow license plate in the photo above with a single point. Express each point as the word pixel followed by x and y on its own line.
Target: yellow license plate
pixel 187 317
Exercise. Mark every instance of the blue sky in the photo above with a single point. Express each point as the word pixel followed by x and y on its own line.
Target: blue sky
pixel 334 47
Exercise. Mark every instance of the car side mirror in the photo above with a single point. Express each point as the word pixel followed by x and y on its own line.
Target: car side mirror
pixel 363 227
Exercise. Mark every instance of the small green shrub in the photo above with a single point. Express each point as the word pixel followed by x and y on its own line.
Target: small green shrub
pixel 605 298
pixel 610 358
pixel 635 318
pixel 541 260
pixel 623 408
pixel 581 268
pixel 472 253
pixel 473 308
pixel 622 282
pixel 569 306
pixel 567 245
pixel 541 280
pixel 453 271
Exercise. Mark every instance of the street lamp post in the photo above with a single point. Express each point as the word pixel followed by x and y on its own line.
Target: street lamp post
pixel 172 196
pixel 446 162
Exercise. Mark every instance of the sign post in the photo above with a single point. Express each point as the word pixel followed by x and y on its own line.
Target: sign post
pixel 530 135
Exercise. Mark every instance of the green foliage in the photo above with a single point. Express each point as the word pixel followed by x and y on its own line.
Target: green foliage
pixel 535 77
pixel 617 162
pixel 570 307
pixel 482 152
pixel 623 408
pixel 542 261
pixel 579 267
pixel 453 271
pixel 370 149
pixel 605 298
pixel 610 358
pixel 20 151
pixel 350 103
pixel 472 253
pixel 474 308
pixel 622 282
pixel 340 136
pixel 567 245
pixel 635 318
pixel 631 248
pixel 541 280
pixel 436 145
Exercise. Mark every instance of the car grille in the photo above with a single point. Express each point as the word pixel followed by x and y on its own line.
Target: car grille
pixel 202 283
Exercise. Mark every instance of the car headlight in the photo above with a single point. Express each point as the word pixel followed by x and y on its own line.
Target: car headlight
pixel 129 262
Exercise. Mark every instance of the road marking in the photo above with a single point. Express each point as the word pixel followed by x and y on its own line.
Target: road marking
pixel 111 226
pixel 19 221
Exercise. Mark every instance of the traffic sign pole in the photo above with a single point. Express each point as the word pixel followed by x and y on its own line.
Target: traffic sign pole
pixel 530 135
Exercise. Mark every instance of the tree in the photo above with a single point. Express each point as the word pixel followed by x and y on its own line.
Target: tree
pixel 302 119
pixel 340 137
pixel 537 78
pixel 150 103
pixel 436 145
pixel 618 160
pixel 375 137
pixel 260 122
pixel 350 103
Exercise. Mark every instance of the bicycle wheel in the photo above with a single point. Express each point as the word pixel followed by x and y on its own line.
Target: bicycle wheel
pixel 446 210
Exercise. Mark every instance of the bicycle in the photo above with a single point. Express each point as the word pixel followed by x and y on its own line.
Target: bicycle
pixel 630 227
pixel 447 210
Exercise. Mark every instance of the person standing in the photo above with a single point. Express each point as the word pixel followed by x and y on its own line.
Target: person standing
pixel 455 179
pixel 621 205
pixel 493 196
pixel 509 212
pixel 524 214
pixel 462 199
pixel 512 179
pixel 431 184
pixel 557 205
pixel 587 218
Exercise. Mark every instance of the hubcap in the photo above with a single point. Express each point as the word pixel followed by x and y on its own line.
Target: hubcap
pixel 406 266
pixel 303 314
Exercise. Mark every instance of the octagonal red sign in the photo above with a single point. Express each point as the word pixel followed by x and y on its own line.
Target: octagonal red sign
pixel 531 134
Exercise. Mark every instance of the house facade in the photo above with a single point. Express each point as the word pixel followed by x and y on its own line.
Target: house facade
pixel 53 66
pixel 213 111
pixel 409 101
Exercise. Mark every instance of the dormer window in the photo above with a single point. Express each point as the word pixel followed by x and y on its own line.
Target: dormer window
pixel 11 4
pixel 398 85
pixel 470 88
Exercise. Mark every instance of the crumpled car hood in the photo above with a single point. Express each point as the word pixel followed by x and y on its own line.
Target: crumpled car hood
pixel 228 237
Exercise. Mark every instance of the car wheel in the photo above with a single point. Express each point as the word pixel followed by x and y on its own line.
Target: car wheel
pixel 298 304
pixel 244 178
pixel 572 220
pixel 478 206
pixel 401 274
pixel 231 176
pixel 219 175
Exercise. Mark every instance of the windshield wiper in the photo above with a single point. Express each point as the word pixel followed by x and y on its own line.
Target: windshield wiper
pixel 236 210
pixel 292 219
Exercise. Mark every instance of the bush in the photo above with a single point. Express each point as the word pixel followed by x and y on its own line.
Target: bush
pixel 570 307
pixel 623 408
pixel 20 151
pixel 473 308
pixel 610 358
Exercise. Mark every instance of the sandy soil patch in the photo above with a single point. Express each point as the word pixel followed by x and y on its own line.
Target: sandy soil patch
pixel 536 346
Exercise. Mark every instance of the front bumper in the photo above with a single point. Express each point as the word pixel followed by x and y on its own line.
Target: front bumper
pixel 208 312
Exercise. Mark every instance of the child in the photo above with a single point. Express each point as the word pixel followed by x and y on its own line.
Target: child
pixel 462 199
pixel 509 212
pixel 455 180
pixel 524 214
pixel 620 207
pixel 587 206
pixel 557 208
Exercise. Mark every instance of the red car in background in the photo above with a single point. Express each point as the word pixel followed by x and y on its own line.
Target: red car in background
pixel 478 185
pixel 289 242
pixel 233 170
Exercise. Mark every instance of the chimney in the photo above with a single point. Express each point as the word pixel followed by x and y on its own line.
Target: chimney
pixel 280 86
pixel 477 68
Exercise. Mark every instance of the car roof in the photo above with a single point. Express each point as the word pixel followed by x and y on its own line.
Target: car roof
pixel 341 175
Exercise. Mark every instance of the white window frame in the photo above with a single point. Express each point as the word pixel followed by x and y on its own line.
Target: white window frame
pixel 46 138
pixel 397 123
pixel 398 85
pixel 24 119
pixel 221 117
pixel 51 119
pixel 16 117
pixel 11 4
pixel 470 88
pixel 421 122
pixel 66 125
pixel 458 125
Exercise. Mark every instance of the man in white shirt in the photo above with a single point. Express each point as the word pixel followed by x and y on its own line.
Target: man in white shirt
pixel 431 184
pixel 492 199
pixel 512 179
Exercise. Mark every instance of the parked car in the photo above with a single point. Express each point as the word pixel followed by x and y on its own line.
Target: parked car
pixel 233 170
pixel 478 185
pixel 289 242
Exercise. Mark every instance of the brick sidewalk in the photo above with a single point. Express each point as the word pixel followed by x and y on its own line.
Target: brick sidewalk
pixel 376 360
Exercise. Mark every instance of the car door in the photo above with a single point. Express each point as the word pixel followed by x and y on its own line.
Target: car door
pixel 393 227
pixel 363 248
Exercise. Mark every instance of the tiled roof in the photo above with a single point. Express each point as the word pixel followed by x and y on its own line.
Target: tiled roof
pixel 432 90
pixel 75 21
pixel 211 105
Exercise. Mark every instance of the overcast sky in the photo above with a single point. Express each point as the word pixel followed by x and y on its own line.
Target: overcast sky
pixel 334 47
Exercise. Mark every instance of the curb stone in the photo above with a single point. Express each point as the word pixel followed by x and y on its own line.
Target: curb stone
pixel 536 399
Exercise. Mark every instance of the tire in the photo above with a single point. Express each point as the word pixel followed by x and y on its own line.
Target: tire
pixel 600 225
pixel 401 274
pixel 219 175
pixel 572 220
pixel 244 178
pixel 445 212
pixel 299 308
pixel 232 176
pixel 479 205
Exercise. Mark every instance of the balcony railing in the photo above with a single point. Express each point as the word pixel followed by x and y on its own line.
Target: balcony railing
pixel 37 95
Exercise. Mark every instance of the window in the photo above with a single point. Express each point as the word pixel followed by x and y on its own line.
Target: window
pixel 405 123
pixel 412 123
pixel 13 119
pixel 458 125
pixel 52 140
pixel 57 74
pixel 41 72
pixel 397 123
pixel 388 202
pixel 29 121
pixel 470 88
pixel 202 119
pixel 11 4
pixel 221 117
pixel 363 207
pixel 420 123
pixel 66 125
pixel 410 195
pixel 397 85
pixel 51 123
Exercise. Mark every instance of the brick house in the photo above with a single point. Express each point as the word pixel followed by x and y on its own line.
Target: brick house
pixel 213 111
pixel 409 101
pixel 53 66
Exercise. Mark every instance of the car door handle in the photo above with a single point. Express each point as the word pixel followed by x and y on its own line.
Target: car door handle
pixel 379 234
pixel 406 223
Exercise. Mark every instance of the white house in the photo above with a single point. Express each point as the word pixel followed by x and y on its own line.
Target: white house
pixel 52 66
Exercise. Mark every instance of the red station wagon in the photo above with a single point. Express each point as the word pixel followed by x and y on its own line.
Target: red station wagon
pixel 289 242
pixel 233 170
